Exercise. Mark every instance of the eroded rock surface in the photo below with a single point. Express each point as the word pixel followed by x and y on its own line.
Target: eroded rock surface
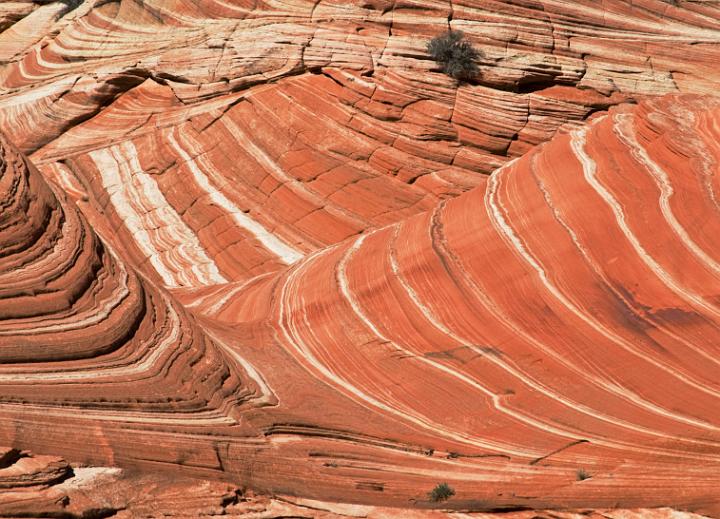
pixel 52 488
pixel 496 341
pixel 260 132
pixel 261 250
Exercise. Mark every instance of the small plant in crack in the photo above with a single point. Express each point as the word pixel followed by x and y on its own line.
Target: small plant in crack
pixel 582 475
pixel 442 492
pixel 455 55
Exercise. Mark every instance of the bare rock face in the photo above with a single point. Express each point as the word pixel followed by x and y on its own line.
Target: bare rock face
pixel 514 353
pixel 46 486
pixel 550 338
pixel 266 131
pixel 87 346
pixel 52 488
pixel 257 245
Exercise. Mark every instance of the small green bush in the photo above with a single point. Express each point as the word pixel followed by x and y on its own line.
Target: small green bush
pixel 455 56
pixel 582 475
pixel 442 492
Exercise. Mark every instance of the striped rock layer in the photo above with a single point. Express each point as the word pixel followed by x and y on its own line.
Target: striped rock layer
pixel 88 347
pixel 549 340
pixel 259 246
pixel 47 486
pixel 214 140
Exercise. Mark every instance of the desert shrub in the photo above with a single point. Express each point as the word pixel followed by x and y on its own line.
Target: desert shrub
pixel 442 492
pixel 582 475
pixel 455 55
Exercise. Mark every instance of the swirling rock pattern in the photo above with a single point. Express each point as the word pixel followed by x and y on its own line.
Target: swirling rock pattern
pixel 506 347
pixel 84 338
pixel 505 332
pixel 260 247
pixel 292 126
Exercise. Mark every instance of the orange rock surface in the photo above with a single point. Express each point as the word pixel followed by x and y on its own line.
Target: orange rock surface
pixel 98 492
pixel 292 126
pixel 269 245
pixel 496 342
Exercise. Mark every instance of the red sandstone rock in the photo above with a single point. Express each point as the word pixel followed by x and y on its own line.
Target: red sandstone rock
pixel 112 492
pixel 561 316
pixel 496 342
pixel 267 253
pixel 364 133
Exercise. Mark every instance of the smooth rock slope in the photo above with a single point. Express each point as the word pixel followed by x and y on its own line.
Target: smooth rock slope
pixel 549 341
pixel 269 245
pixel 562 319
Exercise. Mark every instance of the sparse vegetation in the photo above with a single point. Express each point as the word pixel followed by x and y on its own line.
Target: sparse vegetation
pixel 582 475
pixel 455 55
pixel 442 492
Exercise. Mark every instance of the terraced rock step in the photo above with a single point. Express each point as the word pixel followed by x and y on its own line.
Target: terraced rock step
pixel 292 126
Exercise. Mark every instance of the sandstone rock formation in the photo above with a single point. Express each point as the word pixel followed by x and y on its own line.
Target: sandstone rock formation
pixel 294 126
pixel 84 338
pixel 52 488
pixel 509 346
pixel 260 249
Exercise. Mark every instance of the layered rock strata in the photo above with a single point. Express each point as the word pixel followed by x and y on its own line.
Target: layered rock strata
pixel 546 341
pixel 293 126
pixel 261 248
